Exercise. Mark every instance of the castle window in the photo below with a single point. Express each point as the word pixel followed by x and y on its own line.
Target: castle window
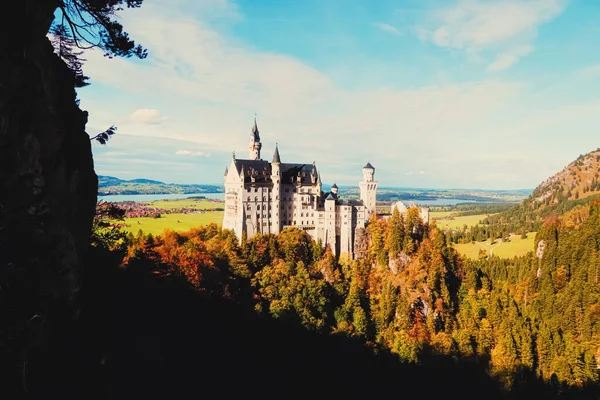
pixel 248 190
pixel 258 207
pixel 302 214
pixel 276 197
pixel 287 190
pixel 255 198
pixel 255 190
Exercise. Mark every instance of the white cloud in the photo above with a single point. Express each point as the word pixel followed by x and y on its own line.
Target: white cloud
pixel 591 72
pixel 192 153
pixel 146 116
pixel 210 85
pixel 388 28
pixel 505 27
pixel 506 59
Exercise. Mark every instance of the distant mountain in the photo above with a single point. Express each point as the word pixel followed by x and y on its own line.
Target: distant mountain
pixel 567 192
pixel 109 185
pixel 578 180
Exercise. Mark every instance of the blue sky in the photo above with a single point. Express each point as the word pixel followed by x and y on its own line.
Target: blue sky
pixel 495 94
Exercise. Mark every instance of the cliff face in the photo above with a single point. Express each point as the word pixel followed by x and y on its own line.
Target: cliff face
pixel 48 186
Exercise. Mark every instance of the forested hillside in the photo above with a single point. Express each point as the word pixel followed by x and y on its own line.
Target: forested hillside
pixel 568 192
pixel 532 323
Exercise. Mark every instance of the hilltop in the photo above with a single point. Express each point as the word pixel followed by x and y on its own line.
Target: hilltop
pixel 109 185
pixel 578 180
pixel 563 194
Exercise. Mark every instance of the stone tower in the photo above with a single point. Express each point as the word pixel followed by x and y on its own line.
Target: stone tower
pixel 368 189
pixel 276 200
pixel 254 145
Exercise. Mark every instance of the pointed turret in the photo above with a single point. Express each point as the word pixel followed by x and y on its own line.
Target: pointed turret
pixel 276 158
pixel 255 131
pixel 254 145
pixel 226 171
pixel 334 189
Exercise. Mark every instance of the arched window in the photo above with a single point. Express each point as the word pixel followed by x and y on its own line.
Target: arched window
pixel 258 207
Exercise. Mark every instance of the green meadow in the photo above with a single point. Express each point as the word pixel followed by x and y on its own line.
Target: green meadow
pixel 449 220
pixel 515 247
pixel 175 222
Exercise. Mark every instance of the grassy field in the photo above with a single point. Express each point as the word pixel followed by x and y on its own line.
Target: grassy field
pixel 456 221
pixel 176 222
pixel 516 247
pixel 185 203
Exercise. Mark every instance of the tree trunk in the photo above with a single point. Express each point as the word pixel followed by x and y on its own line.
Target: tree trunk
pixel 48 186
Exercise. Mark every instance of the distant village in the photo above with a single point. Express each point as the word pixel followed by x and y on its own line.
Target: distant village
pixel 135 209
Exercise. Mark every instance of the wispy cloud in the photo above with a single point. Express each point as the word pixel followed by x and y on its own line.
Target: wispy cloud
pixel 388 28
pixel 505 27
pixel 192 153
pixel 590 72
pixel 147 116
pixel 210 83
pixel 507 58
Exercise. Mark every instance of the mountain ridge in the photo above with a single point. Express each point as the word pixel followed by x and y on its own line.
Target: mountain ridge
pixel 110 185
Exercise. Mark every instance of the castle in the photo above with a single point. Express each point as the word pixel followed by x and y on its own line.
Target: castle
pixel 267 197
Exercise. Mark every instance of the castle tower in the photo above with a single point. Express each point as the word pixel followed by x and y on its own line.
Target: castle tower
pixel 254 145
pixel 334 189
pixel 368 189
pixel 275 198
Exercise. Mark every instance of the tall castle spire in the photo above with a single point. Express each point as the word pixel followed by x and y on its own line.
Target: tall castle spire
pixel 255 131
pixel 254 145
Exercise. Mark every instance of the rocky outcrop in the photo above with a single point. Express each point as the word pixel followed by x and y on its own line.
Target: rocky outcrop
pixel 48 186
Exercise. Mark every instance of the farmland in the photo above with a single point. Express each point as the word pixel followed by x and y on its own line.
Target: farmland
pixel 503 249
pixel 450 220
pixel 176 222
pixel 178 215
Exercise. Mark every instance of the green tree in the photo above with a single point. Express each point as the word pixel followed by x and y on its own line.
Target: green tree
pixel 396 233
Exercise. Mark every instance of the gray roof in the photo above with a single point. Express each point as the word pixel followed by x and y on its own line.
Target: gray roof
pixel 276 158
pixel 330 197
pixel 259 169
pixel 290 173
pixel 334 186
pixel 369 166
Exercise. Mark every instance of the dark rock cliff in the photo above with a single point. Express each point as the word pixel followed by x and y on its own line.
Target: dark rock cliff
pixel 48 186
